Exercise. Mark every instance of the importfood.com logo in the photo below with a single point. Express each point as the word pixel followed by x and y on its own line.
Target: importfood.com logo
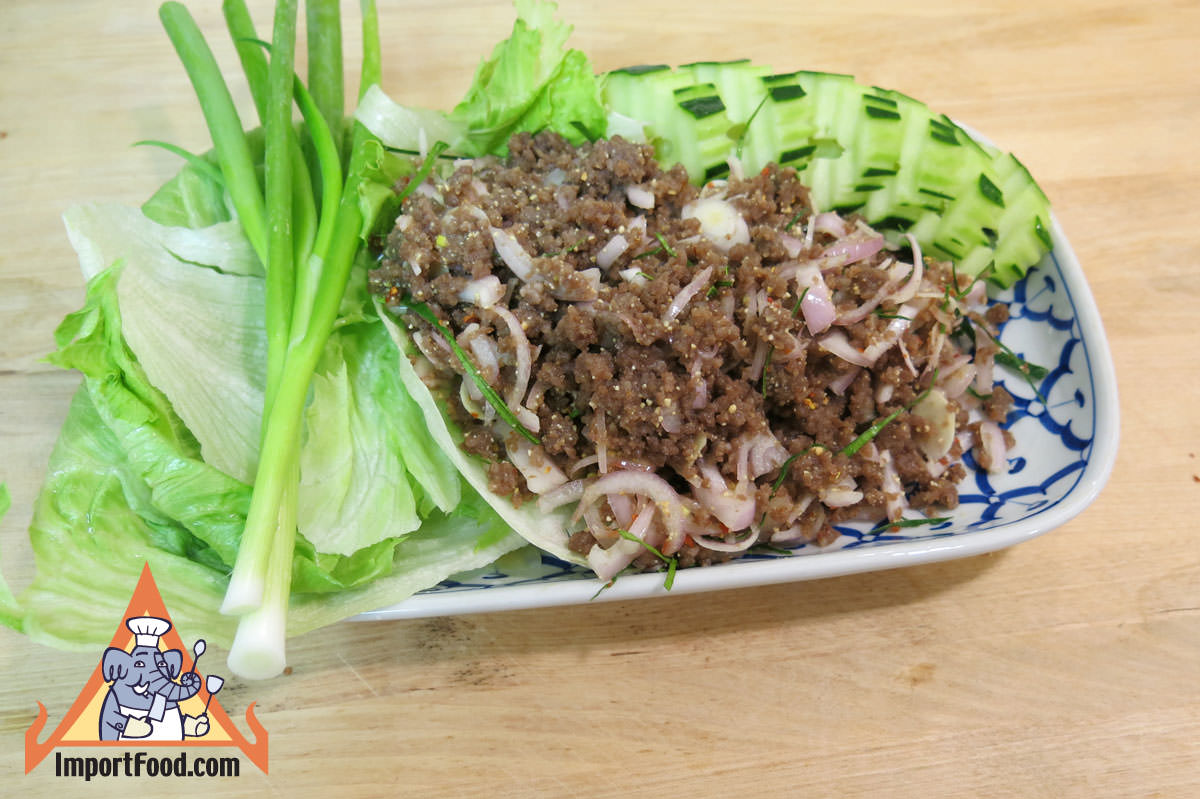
pixel 145 694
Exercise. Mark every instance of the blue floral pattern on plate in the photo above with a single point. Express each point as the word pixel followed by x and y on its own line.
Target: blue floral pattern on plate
pixel 1065 431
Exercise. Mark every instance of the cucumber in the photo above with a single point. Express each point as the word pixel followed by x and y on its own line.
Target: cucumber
pixel 735 82
pixel 685 121
pixel 782 127
pixel 858 148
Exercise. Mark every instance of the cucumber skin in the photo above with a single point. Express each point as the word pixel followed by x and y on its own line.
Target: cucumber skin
pixel 898 162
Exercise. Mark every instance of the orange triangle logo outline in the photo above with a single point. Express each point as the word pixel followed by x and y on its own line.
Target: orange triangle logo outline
pixel 146 601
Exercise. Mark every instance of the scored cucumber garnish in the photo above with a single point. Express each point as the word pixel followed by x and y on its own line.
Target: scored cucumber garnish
pixel 859 148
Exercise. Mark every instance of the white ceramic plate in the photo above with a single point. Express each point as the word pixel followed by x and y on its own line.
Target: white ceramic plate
pixel 1065 448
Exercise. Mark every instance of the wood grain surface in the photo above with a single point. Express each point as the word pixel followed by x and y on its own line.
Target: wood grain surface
pixel 1068 666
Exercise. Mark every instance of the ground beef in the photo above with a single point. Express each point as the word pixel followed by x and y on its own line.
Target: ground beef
pixel 689 354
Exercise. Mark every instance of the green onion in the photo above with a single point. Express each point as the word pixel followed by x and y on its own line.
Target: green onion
pixel 229 140
pixel 307 254
pixel 278 170
pixel 196 162
pixel 324 30
pixel 372 55
pixel 250 51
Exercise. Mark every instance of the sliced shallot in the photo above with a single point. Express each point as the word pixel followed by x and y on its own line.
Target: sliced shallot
pixel 611 251
pixel 640 197
pixel 484 292
pixel 733 507
pixel 565 494
pixel 524 355
pixel 686 294
pixel 817 305
pixel 646 484
pixel 717 545
pixel 512 253
pixel 992 449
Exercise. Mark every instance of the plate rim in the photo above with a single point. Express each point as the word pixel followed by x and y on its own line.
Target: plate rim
pixel 890 555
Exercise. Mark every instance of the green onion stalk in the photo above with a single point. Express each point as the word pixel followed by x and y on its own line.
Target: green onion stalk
pixel 306 225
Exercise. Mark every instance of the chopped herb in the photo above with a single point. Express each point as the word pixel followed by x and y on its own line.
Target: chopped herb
pixel 600 590
pixel 1010 359
pixel 422 173
pixel 648 253
pixel 663 241
pixel 783 470
pixel 965 328
pixel 890 525
pixel 745 127
pixel 1030 371
pixel 794 220
pixel 717 286
pixel 884 315
pixel 971 390
pixel 671 562
pixel 772 549
pixel 628 536
pixel 642 274
pixel 800 299
pixel 867 435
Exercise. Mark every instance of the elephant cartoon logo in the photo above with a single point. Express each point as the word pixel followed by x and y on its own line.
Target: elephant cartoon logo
pixel 146 691
pixel 147 687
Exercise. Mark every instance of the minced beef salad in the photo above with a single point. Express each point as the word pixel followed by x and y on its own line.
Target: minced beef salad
pixel 705 369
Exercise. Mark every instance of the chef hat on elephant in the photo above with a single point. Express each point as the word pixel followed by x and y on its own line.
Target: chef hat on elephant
pixel 147 629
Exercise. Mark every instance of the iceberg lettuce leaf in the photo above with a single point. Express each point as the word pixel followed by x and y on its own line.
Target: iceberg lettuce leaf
pixel 531 83
pixel 197 332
